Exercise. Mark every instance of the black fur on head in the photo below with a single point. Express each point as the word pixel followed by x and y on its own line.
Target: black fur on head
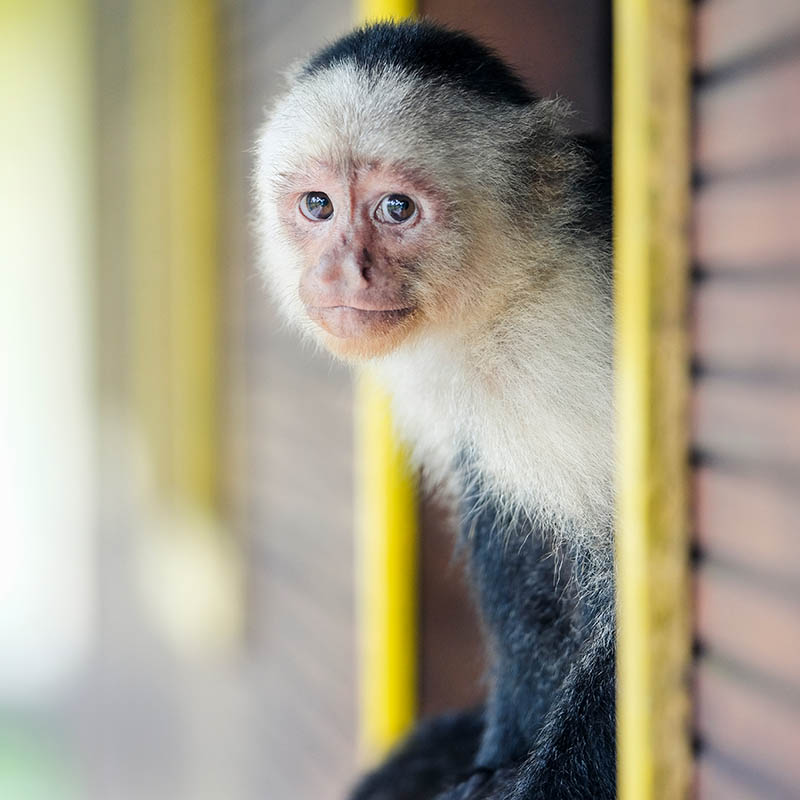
pixel 431 51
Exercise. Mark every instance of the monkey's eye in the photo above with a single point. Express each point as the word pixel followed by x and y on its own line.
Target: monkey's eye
pixel 395 208
pixel 316 206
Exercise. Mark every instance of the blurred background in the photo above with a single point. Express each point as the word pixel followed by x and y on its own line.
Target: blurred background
pixel 177 606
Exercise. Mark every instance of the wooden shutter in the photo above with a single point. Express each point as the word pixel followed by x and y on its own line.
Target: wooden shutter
pixel 746 398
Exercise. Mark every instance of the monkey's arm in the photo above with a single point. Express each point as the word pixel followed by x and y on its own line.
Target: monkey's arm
pixel 438 754
pixel 574 755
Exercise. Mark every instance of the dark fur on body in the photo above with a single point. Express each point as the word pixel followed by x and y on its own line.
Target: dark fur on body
pixel 530 235
pixel 547 731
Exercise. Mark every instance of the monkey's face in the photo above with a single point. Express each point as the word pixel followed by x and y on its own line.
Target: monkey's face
pixel 376 209
pixel 361 236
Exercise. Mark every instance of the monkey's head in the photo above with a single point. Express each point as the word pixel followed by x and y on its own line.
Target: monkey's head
pixel 394 178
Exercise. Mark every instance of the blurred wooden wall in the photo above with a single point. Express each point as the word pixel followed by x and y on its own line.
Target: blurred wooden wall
pixel 746 400
pixel 288 431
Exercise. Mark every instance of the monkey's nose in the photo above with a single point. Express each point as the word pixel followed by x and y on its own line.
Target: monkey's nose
pixel 365 264
pixel 331 280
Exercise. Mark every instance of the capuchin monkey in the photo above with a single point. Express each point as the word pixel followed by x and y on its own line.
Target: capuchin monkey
pixel 422 212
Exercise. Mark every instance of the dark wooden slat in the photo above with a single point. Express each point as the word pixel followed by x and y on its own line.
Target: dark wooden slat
pixel 730 30
pixel 750 624
pixel 746 725
pixel 747 325
pixel 749 423
pixel 751 122
pixel 748 520
pixel 748 225
pixel 715 780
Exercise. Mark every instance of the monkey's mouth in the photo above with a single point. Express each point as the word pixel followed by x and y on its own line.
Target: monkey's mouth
pixel 348 322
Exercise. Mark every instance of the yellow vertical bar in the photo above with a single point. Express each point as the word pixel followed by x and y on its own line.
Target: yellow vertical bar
pixel 651 201
pixel 174 243
pixel 192 154
pixel 386 547
pixel 386 566
pixel 173 318
pixel 373 10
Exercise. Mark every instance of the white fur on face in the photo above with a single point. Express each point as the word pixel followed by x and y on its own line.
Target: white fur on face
pixel 515 369
pixel 530 401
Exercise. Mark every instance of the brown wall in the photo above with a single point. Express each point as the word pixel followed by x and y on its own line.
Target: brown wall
pixel 746 399
pixel 289 438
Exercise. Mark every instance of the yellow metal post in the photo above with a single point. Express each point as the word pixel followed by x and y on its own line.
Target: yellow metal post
pixel 386 547
pixel 372 10
pixel 174 244
pixel 173 317
pixel 386 566
pixel 651 201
